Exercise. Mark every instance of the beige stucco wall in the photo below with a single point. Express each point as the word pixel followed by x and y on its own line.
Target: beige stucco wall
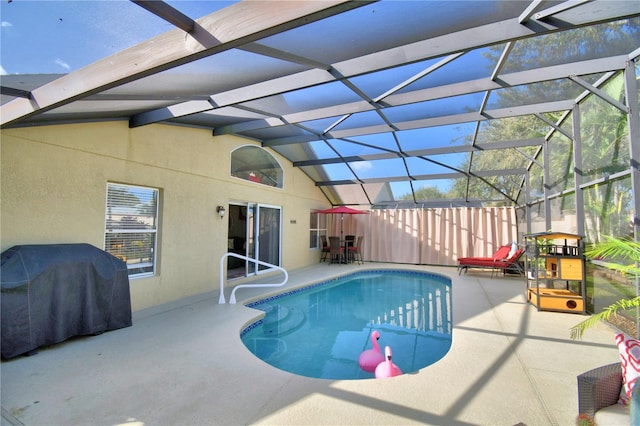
pixel 54 178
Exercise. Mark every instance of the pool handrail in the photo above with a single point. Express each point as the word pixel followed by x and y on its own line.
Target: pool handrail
pixel 232 297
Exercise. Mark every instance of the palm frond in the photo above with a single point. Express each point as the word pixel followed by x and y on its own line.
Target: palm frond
pixel 578 330
pixel 616 250
pixel 631 270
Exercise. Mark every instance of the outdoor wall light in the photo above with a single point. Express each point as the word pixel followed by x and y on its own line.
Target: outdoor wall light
pixel 221 211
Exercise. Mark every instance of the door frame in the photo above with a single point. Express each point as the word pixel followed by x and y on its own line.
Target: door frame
pixel 251 236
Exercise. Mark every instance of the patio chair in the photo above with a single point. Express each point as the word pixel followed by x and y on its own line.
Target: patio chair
pixel 325 248
pixel 336 250
pixel 350 240
pixel 499 261
pixel 355 252
pixel 598 393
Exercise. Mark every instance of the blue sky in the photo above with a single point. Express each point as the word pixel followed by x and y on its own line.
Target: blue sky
pixel 41 37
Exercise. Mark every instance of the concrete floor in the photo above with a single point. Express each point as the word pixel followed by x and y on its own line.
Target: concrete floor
pixel 184 364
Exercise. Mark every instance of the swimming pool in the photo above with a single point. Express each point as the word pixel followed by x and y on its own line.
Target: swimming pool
pixel 320 330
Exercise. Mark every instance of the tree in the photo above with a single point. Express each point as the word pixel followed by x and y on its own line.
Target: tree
pixel 426 193
pixel 487 188
pixel 605 146
pixel 564 46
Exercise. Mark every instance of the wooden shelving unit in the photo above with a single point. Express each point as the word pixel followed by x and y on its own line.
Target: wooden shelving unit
pixel 556 272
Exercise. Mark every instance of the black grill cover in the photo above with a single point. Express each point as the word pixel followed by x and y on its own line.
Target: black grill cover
pixel 50 293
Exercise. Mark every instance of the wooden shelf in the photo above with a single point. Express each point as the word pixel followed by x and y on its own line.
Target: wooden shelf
pixel 556 259
pixel 556 300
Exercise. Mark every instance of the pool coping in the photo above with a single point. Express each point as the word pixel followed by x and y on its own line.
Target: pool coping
pixel 304 287
pixel 185 364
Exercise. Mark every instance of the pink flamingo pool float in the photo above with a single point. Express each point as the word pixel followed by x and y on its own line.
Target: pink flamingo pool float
pixel 387 368
pixel 370 358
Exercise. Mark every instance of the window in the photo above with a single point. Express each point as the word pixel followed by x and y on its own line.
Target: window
pixel 131 227
pixel 255 164
pixel 317 229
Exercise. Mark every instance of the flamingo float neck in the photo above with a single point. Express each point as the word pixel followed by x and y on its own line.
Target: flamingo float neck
pixel 375 336
pixel 370 358
pixel 387 368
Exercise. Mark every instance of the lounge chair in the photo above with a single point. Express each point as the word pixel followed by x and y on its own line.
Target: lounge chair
pixel 500 261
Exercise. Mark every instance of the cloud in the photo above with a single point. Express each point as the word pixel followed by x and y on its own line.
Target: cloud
pixel 359 166
pixel 6 24
pixel 3 71
pixel 63 64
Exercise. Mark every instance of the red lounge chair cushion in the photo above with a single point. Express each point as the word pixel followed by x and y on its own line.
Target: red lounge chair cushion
pixel 506 263
pixel 481 261
pixel 502 253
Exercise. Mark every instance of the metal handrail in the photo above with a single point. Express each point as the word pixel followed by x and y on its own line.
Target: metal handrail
pixel 232 298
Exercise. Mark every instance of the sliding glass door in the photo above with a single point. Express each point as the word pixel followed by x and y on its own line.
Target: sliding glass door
pixel 264 224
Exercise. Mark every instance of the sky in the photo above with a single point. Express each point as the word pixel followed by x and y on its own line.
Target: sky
pixel 54 36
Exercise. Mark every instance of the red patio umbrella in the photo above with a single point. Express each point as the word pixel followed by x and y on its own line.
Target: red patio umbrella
pixel 342 210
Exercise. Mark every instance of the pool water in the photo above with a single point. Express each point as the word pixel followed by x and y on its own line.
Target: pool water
pixel 319 331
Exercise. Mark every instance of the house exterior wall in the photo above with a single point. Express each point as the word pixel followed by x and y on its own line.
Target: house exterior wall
pixel 54 180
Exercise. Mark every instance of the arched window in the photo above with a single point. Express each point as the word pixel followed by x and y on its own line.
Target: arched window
pixel 255 164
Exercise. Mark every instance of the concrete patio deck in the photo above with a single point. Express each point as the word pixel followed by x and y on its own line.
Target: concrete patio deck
pixel 184 364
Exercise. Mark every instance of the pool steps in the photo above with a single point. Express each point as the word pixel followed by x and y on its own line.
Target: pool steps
pixel 282 321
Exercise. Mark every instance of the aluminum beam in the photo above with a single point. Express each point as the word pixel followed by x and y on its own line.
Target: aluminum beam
pixel 449 90
pixel 578 168
pixel 424 152
pixel 168 13
pixel 172 49
pixel 464 40
pixel 460 175
pixel 430 122
pixel 600 93
pixel 18 93
pixel 633 122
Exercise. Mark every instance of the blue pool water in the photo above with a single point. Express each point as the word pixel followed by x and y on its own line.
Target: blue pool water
pixel 319 331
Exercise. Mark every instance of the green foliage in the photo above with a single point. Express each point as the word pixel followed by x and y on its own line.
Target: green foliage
pixel 604 138
pixel 492 187
pixel 605 149
pixel 626 256
pixel 426 193
pixel 622 250
pixel 578 330
pixel 604 143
